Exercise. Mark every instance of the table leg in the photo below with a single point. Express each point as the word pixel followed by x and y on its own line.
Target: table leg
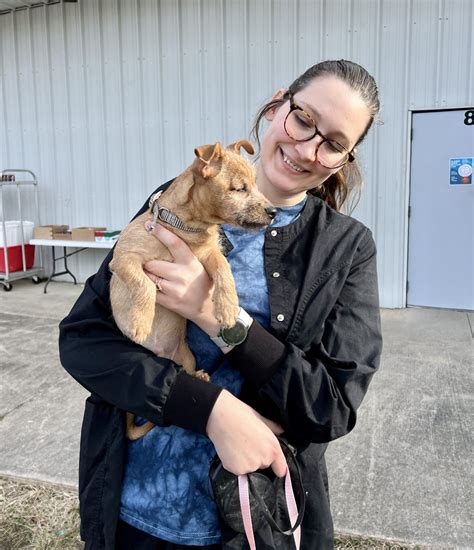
pixel 66 269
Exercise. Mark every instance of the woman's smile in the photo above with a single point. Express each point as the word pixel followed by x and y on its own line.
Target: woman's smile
pixel 294 168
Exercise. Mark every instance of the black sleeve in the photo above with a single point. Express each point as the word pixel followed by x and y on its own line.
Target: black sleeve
pixel 315 395
pixel 94 351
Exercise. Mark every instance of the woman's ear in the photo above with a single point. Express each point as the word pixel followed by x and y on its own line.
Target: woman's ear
pixel 270 114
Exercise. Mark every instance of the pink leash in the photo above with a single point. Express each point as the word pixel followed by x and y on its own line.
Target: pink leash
pixel 247 516
pixel 245 509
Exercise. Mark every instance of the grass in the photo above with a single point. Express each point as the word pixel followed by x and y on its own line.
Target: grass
pixel 38 516
pixel 46 517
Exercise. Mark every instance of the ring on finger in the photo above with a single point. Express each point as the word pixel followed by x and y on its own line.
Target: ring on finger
pixel 158 284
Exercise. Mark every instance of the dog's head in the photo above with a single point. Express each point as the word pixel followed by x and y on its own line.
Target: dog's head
pixel 225 182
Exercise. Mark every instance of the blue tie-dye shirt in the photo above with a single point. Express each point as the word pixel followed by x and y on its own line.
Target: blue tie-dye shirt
pixel 166 490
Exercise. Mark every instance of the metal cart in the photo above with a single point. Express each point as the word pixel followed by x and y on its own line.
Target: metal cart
pixel 9 179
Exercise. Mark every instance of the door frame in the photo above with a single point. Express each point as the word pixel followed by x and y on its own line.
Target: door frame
pixel 406 241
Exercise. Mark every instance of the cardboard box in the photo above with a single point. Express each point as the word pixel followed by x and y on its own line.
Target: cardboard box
pixel 85 233
pixel 47 231
pixel 63 236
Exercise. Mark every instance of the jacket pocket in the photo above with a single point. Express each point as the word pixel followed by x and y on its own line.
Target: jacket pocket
pixel 99 483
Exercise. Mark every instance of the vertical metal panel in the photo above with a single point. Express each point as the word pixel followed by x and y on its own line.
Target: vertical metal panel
pixel 105 99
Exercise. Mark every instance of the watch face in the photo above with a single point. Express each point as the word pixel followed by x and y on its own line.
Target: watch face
pixel 234 335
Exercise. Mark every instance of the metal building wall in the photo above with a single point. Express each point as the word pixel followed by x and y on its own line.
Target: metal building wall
pixel 105 99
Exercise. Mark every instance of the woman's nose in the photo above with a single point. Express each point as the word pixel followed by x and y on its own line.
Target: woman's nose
pixel 307 150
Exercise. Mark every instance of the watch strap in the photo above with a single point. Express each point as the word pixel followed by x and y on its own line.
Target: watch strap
pixel 221 344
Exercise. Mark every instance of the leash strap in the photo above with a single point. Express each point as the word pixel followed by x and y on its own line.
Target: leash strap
pixel 295 518
pixel 292 509
pixel 245 510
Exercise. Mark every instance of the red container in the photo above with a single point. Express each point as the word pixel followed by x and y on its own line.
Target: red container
pixel 15 260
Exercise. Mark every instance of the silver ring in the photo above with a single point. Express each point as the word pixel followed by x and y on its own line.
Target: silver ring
pixel 158 284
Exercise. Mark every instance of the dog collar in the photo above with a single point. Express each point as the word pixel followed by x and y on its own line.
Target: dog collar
pixel 165 215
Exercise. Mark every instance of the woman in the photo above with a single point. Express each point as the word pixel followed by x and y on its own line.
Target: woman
pixel 311 340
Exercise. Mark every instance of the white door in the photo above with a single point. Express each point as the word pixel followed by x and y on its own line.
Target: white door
pixel 440 239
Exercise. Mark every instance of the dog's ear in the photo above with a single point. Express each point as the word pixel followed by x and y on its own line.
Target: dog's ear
pixel 235 147
pixel 207 153
pixel 205 164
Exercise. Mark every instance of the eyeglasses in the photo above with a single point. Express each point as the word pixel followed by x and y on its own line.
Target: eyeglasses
pixel 300 126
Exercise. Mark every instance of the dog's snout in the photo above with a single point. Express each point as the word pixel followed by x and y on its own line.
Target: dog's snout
pixel 271 211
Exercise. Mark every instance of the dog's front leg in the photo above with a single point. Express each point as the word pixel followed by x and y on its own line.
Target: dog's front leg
pixel 226 301
pixel 132 296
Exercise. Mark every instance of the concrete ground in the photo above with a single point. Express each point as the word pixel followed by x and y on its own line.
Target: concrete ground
pixel 404 473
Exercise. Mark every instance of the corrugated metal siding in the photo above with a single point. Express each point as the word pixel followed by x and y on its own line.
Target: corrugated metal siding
pixel 106 99
pixel 10 5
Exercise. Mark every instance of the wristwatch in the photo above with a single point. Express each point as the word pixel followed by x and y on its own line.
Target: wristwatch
pixel 233 336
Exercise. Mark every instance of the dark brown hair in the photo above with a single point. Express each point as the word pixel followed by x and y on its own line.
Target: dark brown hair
pixel 347 182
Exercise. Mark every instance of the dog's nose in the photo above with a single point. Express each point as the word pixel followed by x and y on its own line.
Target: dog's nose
pixel 271 211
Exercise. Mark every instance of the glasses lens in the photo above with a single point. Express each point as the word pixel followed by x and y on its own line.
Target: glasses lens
pixel 299 126
pixel 332 155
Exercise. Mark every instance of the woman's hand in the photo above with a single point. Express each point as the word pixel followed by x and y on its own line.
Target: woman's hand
pixel 186 288
pixel 244 440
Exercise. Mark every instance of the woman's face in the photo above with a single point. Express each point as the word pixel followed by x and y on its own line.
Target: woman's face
pixel 287 168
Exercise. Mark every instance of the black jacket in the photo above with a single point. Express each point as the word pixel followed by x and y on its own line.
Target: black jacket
pixel 309 371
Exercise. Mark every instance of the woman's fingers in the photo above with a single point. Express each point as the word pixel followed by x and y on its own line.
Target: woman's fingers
pixel 167 270
pixel 159 281
pixel 178 248
pixel 279 465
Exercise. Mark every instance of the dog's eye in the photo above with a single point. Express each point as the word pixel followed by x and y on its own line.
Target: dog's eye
pixel 241 189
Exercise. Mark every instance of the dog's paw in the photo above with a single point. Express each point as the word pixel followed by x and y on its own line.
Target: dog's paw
pixel 228 316
pixel 202 375
pixel 138 333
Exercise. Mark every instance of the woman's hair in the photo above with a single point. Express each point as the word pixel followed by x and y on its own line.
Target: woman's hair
pixel 339 186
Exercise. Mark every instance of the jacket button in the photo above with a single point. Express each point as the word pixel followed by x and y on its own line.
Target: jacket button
pixel 280 317
pixel 274 233
pixel 276 274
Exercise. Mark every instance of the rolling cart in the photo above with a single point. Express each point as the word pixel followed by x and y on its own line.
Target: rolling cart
pixel 9 180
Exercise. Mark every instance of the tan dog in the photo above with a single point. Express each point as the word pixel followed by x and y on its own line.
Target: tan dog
pixel 219 187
